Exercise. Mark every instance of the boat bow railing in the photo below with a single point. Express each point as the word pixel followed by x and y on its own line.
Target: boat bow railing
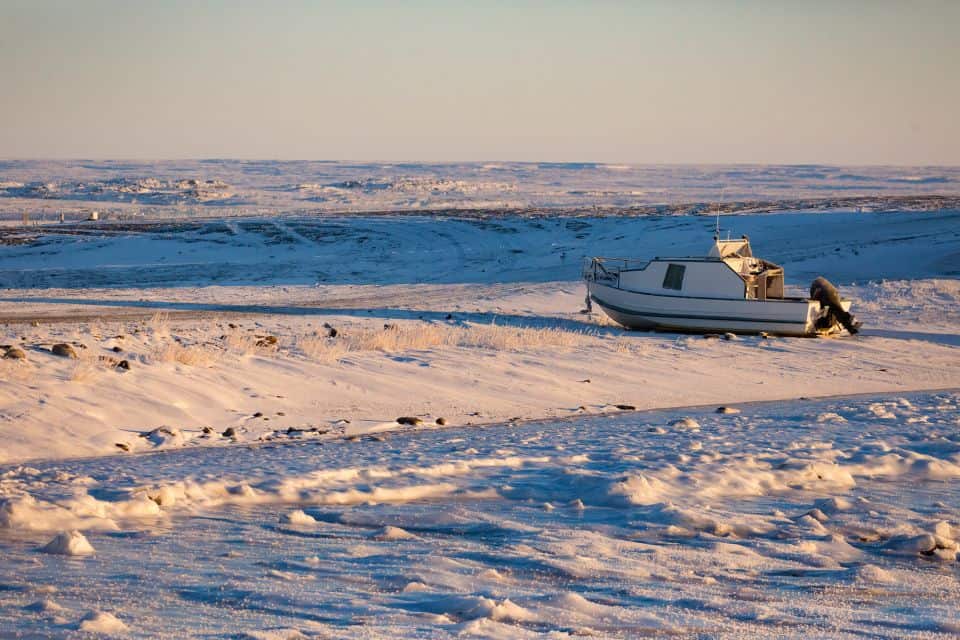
pixel 607 270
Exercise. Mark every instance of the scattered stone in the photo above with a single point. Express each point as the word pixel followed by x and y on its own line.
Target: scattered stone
pixel 281 413
pixel 266 341
pixel 15 353
pixel 728 410
pixel 207 431
pixel 117 349
pixel 764 335
pixel 389 327
pixel 409 420
pixel 64 350
pixel 258 414
pixel 449 316
pixel 123 446
pixel 626 407
pixel 587 380
pixel 230 432
pixel 332 332
pixel 124 364
pixel 441 421
pixel 34 324
pixel 231 325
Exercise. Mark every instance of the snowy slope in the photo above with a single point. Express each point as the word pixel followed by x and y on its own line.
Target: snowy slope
pixel 417 249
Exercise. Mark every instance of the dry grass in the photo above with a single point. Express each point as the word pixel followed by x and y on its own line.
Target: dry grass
pixel 598 317
pixel 240 342
pixel 423 336
pixel 159 325
pixel 322 349
pixel 15 371
pixel 85 370
pixel 193 355
pixel 502 338
pixel 169 348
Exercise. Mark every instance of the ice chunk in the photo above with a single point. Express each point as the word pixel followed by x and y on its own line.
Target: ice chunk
pixel 686 423
pixel 69 543
pixel 393 533
pixel 298 516
pixel 102 622
pixel 872 573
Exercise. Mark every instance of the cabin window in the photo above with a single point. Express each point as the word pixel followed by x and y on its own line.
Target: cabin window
pixel 674 277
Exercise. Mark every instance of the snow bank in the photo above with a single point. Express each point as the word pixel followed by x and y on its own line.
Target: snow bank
pixel 44 606
pixel 299 517
pixel 69 543
pixel 393 533
pixel 459 607
pixel 102 622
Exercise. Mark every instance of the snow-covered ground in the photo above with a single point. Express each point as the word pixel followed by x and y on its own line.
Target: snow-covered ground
pixel 834 518
pixel 198 188
pixel 472 321
pixel 480 354
pixel 223 455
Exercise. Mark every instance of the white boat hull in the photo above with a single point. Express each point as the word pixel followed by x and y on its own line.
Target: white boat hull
pixel 639 310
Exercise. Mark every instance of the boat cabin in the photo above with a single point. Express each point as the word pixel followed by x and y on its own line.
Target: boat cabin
pixel 762 279
pixel 729 271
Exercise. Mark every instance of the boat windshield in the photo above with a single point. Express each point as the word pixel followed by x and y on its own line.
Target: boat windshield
pixel 731 249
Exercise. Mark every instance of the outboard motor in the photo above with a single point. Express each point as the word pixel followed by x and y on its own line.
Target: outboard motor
pixel 827 295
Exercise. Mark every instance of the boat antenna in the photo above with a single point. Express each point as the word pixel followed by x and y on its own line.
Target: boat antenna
pixel 716 235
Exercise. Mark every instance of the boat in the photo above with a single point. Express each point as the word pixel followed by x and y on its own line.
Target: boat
pixel 728 290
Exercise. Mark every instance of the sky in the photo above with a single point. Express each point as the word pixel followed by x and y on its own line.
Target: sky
pixel 841 82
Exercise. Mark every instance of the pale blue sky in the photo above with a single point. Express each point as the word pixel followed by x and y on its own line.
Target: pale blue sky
pixel 866 82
